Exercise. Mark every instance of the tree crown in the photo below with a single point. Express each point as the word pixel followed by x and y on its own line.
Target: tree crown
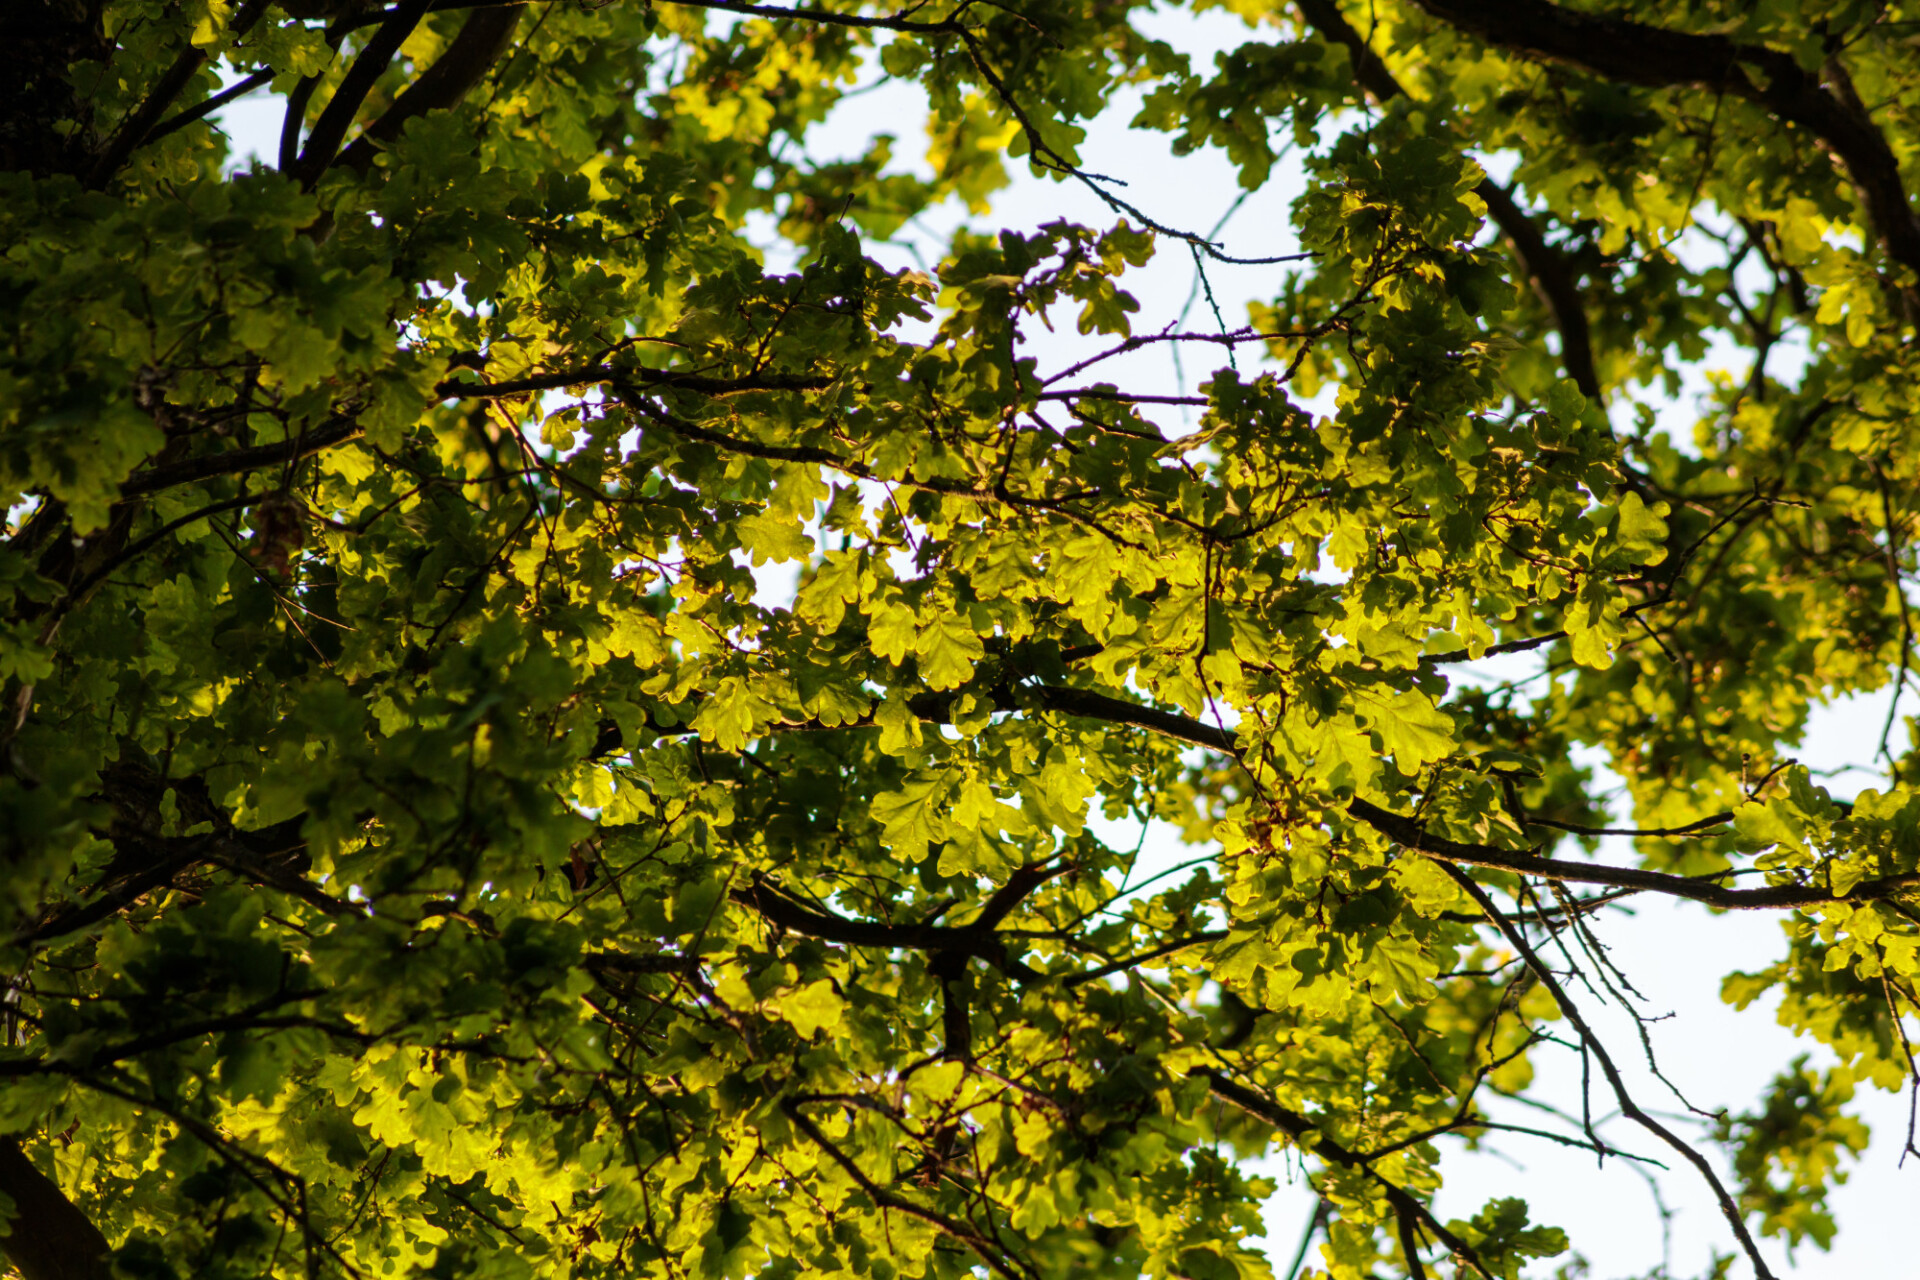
pixel 434 846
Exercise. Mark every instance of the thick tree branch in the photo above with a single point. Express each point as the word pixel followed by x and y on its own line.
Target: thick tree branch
pixel 374 17
pixel 290 123
pixel 1552 277
pixel 333 431
pixel 248 852
pixel 956 1015
pixel 1100 706
pixel 878 22
pixel 142 865
pixel 792 914
pixel 483 38
pixel 1409 833
pixel 1638 53
pixel 49 1238
pixel 1019 886
pixel 199 111
pixel 330 130
pixel 247 1020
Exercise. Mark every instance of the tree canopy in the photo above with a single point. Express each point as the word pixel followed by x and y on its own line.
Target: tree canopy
pixel 431 847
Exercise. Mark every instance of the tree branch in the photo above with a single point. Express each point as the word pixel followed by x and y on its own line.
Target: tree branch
pixel 1409 833
pixel 336 430
pixel 78 591
pixel 1406 1207
pixel 1689 829
pixel 985 1249
pixel 141 866
pixel 1018 887
pixel 996 491
pixel 599 962
pixel 247 1020
pixel 181 119
pixel 1638 53
pixel 634 399
pixel 135 129
pixel 792 914
pixel 374 17
pixel 891 22
pixel 1120 966
pixel 483 38
pixel 454 389
pixel 1628 1107
pixel 330 130
pixel 1100 706
pixel 1552 278
pixel 980 940
pixel 49 1238
pixel 1493 650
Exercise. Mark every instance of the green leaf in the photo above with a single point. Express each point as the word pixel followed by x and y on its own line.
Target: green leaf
pixel 1411 729
pixel 774 538
pixel 948 647
pixel 813 1008
pixel 911 817
pixel 420 804
pixel 1642 530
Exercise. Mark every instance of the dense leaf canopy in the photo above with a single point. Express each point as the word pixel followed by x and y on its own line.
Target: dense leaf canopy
pixel 432 843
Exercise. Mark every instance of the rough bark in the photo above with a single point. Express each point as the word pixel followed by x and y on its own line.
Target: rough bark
pixel 49 1238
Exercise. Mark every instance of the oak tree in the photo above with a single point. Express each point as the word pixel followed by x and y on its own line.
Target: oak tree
pixel 430 848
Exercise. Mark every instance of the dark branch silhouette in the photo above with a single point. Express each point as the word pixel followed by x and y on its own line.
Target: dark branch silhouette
pixel 1639 53
pixel 1545 265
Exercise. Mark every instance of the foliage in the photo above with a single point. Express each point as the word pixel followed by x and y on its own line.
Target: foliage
pixel 434 846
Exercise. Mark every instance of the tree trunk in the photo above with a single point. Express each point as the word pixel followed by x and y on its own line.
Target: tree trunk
pixel 48 1238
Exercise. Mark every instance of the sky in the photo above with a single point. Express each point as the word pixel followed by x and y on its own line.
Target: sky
pixel 1676 954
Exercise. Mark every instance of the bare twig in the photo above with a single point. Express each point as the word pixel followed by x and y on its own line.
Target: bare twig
pixel 1593 1045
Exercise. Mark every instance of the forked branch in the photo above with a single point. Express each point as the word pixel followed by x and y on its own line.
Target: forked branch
pixel 996 1259
pixel 1546 266
pixel 1406 1207
pixel 1592 1043
pixel 1639 53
